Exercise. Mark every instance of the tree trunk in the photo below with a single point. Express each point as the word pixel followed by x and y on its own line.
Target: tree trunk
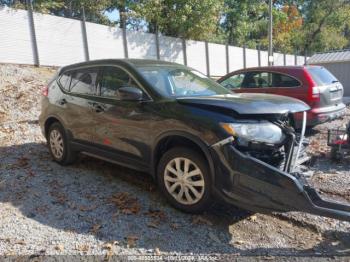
pixel 152 27
pixel 122 13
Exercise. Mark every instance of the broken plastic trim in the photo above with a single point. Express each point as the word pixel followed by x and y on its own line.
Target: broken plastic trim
pixel 224 142
pixel 301 140
pixel 254 185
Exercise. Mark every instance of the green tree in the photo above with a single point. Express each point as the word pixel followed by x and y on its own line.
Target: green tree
pixel 94 9
pixel 126 14
pixel 245 22
pixel 287 24
pixel 324 26
pixel 195 19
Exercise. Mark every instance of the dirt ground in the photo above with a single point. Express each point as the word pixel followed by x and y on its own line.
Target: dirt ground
pixel 97 208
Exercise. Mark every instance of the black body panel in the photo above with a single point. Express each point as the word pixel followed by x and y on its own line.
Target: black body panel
pixel 249 104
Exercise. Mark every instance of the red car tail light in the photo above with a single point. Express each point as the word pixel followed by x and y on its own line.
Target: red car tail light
pixel 45 91
pixel 313 91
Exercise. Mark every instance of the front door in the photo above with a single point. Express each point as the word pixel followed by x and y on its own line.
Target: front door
pixel 123 126
pixel 245 82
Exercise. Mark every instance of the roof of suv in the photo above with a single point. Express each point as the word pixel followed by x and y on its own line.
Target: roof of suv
pixel 277 68
pixel 132 62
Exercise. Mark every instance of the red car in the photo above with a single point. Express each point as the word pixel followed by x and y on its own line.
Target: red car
pixel 314 85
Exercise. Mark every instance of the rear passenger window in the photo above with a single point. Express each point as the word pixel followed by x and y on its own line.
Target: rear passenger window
pixel 83 81
pixel 113 79
pixel 64 81
pixel 268 80
pixel 280 80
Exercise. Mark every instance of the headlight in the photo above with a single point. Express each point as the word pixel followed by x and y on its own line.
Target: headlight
pixel 264 132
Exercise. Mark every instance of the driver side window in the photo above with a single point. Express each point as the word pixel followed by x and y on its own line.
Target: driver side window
pixel 233 82
pixel 114 78
pixel 183 83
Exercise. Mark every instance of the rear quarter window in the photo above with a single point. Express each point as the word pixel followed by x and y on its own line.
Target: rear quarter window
pixel 65 80
pixel 282 80
pixel 321 76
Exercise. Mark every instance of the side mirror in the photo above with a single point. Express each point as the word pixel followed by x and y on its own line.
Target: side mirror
pixel 130 93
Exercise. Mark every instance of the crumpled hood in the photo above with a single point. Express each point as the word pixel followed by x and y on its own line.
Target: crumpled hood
pixel 249 103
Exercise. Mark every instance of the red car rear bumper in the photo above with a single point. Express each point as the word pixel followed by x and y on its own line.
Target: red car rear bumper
pixel 317 116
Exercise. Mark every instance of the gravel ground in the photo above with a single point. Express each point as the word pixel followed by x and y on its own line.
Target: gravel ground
pixel 97 208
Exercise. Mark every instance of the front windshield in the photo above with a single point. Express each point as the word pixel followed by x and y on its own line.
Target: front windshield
pixel 172 81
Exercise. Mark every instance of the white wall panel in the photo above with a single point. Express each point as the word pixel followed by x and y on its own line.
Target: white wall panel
pixel 217 59
pixel 236 58
pixel 196 55
pixel 15 41
pixel 170 49
pixel 252 57
pixel 104 41
pixel 141 45
pixel 278 59
pixel 264 56
pixel 290 59
pixel 300 60
pixel 60 42
pixel 59 39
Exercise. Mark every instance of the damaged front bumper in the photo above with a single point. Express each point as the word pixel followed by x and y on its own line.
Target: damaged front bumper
pixel 254 185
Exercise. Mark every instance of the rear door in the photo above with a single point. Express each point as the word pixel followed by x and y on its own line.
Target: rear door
pixel 330 89
pixel 285 85
pixel 77 102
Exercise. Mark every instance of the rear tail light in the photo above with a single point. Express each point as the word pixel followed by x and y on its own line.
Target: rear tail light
pixel 313 91
pixel 45 91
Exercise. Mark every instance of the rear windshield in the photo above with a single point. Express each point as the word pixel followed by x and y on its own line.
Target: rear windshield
pixel 322 76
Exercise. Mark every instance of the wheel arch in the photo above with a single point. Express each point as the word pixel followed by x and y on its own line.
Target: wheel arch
pixel 52 119
pixel 172 139
pixel 48 122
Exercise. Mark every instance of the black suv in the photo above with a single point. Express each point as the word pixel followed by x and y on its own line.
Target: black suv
pixel 196 138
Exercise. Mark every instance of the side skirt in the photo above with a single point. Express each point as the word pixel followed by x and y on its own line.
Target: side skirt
pixel 109 156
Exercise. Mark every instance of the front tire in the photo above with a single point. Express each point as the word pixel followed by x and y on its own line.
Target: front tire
pixel 59 146
pixel 184 179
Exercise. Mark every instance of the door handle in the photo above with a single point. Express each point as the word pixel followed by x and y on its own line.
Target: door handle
pixel 62 101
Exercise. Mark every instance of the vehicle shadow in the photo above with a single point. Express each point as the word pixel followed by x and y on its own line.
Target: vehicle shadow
pixel 112 203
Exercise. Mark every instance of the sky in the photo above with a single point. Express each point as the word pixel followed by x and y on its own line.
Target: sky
pixel 113 16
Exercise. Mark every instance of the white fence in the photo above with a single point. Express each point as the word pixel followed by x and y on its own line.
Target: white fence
pixel 60 42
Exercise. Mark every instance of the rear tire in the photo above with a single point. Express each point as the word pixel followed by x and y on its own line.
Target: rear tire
pixel 59 146
pixel 184 179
